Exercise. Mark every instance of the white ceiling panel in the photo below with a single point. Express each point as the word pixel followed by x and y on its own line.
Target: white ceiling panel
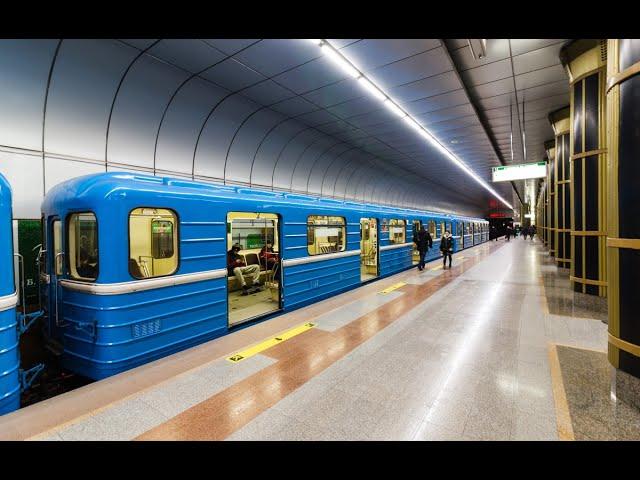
pixel 373 53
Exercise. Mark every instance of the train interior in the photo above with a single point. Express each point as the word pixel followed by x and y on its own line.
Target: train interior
pixel 368 249
pixel 153 247
pixel 259 241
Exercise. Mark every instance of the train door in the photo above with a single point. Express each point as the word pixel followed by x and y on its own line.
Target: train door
pixel 368 249
pixel 415 255
pixel 254 270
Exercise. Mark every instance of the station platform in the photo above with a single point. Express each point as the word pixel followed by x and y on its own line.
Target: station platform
pixel 496 348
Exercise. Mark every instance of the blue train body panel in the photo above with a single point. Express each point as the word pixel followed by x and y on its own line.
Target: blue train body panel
pixel 117 322
pixel 107 334
pixel 9 354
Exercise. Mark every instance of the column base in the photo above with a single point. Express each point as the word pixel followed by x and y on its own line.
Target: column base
pixel 625 387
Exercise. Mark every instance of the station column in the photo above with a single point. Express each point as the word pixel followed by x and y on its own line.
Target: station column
pixel 550 148
pixel 623 218
pixel 541 212
pixel 585 62
pixel 562 188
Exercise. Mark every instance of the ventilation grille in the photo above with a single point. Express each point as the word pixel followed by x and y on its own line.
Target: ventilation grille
pixel 603 50
pixel 146 328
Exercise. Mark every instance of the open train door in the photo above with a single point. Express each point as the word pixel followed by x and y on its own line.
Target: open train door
pixel 369 242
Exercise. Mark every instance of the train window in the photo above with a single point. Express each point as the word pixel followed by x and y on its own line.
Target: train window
pixel 417 224
pixel 153 242
pixel 325 234
pixel 432 228
pixel 397 231
pixel 448 225
pixel 57 246
pixel 442 227
pixel 83 246
pixel 467 228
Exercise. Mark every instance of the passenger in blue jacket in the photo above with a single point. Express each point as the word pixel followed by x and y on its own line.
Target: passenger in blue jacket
pixel 446 247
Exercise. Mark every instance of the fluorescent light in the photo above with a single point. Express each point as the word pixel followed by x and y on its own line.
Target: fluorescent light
pixel 340 60
pixel 373 90
pixel 317 41
pixel 412 123
pixel 394 108
pixel 350 69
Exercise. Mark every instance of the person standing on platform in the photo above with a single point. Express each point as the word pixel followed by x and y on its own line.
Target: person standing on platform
pixel 532 231
pixel 525 232
pixel 423 243
pixel 508 234
pixel 446 247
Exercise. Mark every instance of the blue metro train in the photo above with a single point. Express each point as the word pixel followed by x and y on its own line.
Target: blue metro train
pixel 9 361
pixel 137 267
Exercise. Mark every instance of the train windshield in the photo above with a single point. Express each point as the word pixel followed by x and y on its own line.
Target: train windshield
pixel 83 246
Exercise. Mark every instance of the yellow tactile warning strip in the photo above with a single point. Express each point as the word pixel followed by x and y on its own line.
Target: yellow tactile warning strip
pixel 262 346
pixel 393 287
pixel 563 417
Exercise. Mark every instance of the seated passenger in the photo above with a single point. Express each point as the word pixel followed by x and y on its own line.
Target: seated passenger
pixel 87 259
pixel 134 269
pixel 270 259
pixel 236 266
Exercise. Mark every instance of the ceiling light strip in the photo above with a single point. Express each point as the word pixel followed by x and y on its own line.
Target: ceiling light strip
pixel 350 69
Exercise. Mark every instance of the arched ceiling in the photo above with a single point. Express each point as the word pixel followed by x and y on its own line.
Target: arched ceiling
pixel 273 113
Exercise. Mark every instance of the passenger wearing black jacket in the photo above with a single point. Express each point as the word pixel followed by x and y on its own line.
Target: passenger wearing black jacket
pixel 446 247
pixel 423 242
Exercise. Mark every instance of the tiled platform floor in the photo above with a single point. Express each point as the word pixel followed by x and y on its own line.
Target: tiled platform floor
pixel 460 354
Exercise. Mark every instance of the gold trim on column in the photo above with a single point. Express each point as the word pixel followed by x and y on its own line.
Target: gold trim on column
pixel 587 233
pixel 613 258
pixel 566 260
pixel 583 166
pixel 631 348
pixel 588 154
pixel 563 181
pixel 632 243
pixel 588 281
pixel 620 77
pixel 562 230
pixel 587 74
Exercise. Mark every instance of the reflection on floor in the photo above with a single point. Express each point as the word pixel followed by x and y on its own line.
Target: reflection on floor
pixel 248 306
pixel 463 354
pixel 594 416
pixel 562 300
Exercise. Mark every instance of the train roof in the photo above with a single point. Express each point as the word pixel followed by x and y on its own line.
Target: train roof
pixel 100 186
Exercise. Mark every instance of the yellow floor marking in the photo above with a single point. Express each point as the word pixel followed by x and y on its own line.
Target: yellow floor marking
pixel 437 268
pixel 563 417
pixel 393 287
pixel 262 346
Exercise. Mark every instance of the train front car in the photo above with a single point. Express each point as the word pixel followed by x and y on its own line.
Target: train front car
pixel 9 355
pixel 136 269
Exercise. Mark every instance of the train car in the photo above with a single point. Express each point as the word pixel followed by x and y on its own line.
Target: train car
pixel 139 267
pixel 9 355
